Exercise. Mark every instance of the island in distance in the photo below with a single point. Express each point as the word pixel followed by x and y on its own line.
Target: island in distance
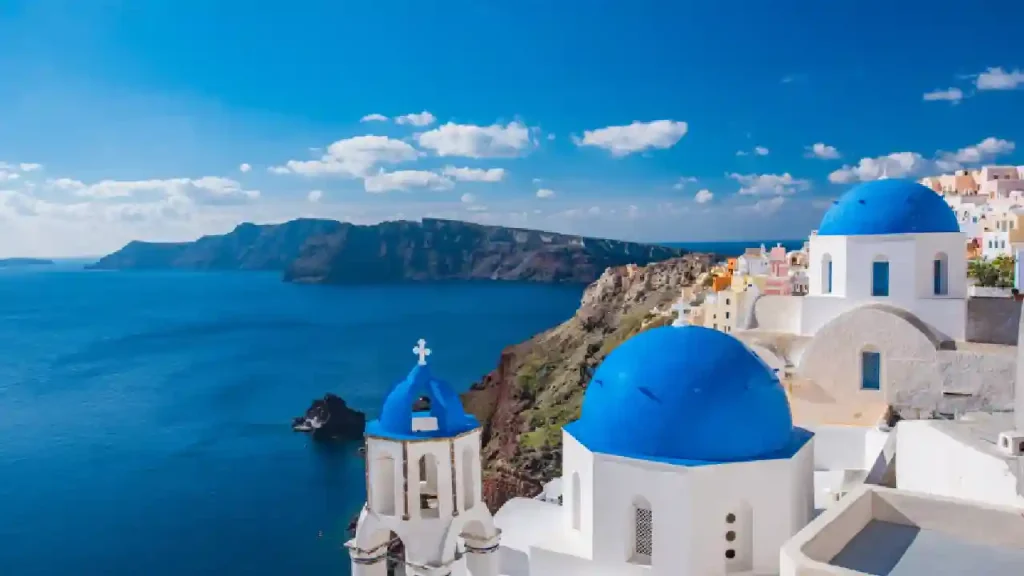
pixel 17 262
pixel 332 252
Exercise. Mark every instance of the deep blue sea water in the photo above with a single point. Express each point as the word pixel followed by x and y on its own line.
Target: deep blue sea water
pixel 144 417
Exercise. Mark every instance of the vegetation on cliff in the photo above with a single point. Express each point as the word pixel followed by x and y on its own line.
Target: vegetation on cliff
pixel 538 385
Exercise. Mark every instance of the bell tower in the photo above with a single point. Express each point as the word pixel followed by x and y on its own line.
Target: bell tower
pixel 424 506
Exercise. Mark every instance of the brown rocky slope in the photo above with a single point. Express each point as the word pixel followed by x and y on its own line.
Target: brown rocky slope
pixel 538 385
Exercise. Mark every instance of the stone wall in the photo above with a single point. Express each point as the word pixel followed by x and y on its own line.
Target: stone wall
pixel 993 320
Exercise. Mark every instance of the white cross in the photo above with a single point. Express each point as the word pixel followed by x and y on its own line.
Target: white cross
pixel 422 351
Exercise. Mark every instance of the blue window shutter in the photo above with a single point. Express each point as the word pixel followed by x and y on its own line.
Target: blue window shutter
pixel 871 371
pixel 937 280
pixel 880 279
pixel 828 289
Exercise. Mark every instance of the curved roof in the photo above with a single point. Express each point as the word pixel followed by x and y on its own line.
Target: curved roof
pixel 397 415
pixel 888 207
pixel 688 395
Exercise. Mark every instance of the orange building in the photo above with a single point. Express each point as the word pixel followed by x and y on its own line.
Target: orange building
pixel 719 283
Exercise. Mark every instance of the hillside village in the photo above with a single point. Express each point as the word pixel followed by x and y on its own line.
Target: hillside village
pixel 856 410
pixel 989 206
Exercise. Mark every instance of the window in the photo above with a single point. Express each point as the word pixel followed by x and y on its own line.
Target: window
pixel 643 533
pixel 726 315
pixel 880 278
pixel 826 274
pixel 726 301
pixel 940 275
pixel 871 370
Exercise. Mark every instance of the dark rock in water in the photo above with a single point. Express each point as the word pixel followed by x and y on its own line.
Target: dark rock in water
pixel 331 419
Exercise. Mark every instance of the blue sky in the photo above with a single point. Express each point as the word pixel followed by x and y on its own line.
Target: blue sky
pixel 168 119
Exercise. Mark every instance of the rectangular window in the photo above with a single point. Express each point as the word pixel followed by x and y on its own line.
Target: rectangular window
pixel 880 279
pixel 828 284
pixel 871 371
pixel 937 278
pixel 644 533
pixel 726 315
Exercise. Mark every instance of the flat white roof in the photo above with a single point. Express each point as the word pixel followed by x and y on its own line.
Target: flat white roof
pixel 880 531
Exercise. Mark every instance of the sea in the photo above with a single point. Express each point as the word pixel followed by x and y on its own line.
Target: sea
pixel 145 416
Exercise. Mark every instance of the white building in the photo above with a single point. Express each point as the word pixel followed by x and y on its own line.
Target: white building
pixel 753 262
pixel 885 323
pixel 423 486
pixel 685 462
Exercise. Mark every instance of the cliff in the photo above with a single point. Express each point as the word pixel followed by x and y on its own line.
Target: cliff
pixel 538 384
pixel 247 247
pixel 325 251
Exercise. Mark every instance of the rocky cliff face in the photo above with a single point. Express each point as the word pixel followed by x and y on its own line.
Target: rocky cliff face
pixel 325 251
pixel 451 250
pixel 247 247
pixel 538 384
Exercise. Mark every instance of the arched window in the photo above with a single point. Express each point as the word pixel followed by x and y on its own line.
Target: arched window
pixel 382 491
pixel 576 501
pixel 468 478
pixel 429 502
pixel 826 274
pixel 940 274
pixel 643 532
pixel 880 276
pixel 870 370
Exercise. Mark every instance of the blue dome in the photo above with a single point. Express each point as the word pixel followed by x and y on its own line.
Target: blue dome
pixel 888 207
pixel 396 416
pixel 688 395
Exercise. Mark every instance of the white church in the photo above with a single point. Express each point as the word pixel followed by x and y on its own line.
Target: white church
pixel 686 460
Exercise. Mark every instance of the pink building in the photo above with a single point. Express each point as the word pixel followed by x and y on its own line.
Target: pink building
pixel 778 281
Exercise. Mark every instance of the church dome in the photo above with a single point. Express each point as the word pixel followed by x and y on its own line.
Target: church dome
pixel 888 207
pixel 400 408
pixel 688 395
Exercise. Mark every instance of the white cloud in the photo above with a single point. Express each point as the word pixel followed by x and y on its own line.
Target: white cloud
pixel 474 174
pixel 402 180
pixel 354 157
pixel 953 95
pixel 468 198
pixel 551 136
pixel 315 195
pixel 999 79
pixel 545 193
pixel 769 184
pixel 822 151
pixel 703 196
pixel 8 175
pixel 278 170
pixel 905 164
pixel 243 168
pixel 374 118
pixel 761 151
pixel 468 140
pixel 983 151
pixel 422 119
pixel 766 206
pixel 205 190
pixel 896 165
pixel 29 167
pixel 741 153
pixel 635 137
pixel 683 181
